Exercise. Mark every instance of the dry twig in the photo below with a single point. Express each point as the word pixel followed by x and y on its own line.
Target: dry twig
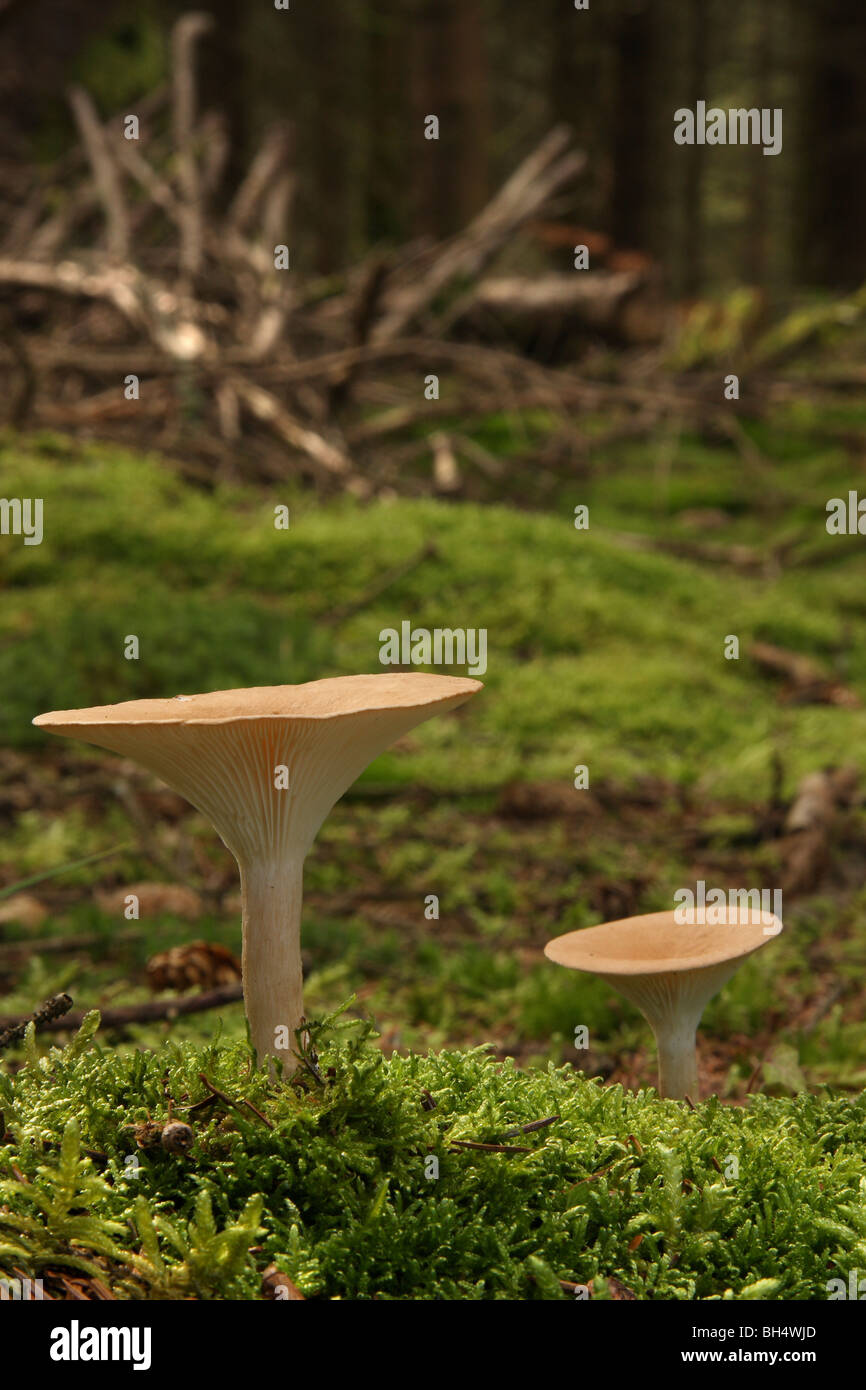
pixel 49 1012
pixel 150 1011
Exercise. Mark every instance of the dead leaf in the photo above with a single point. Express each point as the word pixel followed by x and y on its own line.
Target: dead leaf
pixel 543 800
pixel 810 823
pixel 23 911
pixel 277 1286
pixel 818 796
pixel 619 1292
pixel 154 899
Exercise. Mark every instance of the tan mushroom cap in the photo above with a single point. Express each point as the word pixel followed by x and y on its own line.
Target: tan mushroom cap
pixel 220 750
pixel 332 698
pixel 657 942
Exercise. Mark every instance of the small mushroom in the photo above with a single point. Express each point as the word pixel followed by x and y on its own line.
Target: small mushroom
pixel 265 766
pixel 670 970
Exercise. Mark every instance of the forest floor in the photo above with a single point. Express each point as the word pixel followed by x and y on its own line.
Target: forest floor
pixel 606 649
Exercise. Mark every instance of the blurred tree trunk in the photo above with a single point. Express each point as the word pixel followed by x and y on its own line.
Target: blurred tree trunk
pixel 575 66
pixel 760 174
pixel 833 155
pixel 468 66
pixel 450 81
pixel 633 126
pixel 693 155
pixel 388 121
pixel 567 101
pixel 427 61
pixel 329 70
pixel 222 86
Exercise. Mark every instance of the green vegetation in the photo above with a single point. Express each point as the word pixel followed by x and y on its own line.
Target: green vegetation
pixel 598 653
pixel 340 1192
pixel 601 653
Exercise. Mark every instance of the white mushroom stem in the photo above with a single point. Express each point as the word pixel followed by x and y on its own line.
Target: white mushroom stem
pixel 271 895
pixel 677 1058
pixel 672 1003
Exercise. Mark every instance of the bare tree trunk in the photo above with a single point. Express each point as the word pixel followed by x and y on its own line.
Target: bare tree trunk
pixel 759 201
pixel 833 190
pixel 332 130
pixel 574 90
pixel 568 103
pixel 693 155
pixel 471 102
pixel 222 88
pixel 433 189
pixel 632 143
pixel 388 122
pixel 449 67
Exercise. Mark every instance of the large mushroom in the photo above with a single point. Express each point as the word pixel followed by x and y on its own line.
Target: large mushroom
pixel 266 765
pixel 670 970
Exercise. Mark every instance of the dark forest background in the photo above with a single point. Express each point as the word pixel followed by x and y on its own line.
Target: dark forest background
pixel 356 79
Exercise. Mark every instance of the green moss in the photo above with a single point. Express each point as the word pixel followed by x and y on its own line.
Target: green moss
pixel 342 1191
pixel 597 653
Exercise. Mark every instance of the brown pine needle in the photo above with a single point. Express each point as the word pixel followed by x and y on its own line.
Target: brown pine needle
pixel 528 1129
pixel 491 1148
pixel 235 1105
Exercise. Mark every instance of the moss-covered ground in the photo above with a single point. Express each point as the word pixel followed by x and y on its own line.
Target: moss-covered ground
pixel 362 1184
pixel 605 650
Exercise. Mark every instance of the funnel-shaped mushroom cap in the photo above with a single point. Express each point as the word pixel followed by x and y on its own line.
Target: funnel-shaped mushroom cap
pixel 657 943
pixel 221 750
pixel 669 970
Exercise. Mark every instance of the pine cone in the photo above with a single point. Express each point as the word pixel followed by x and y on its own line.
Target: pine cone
pixel 195 965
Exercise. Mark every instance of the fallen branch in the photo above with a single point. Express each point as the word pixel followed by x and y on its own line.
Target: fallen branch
pixel 145 304
pixel 806 682
pixel 743 557
pixel 150 1011
pixel 104 169
pixel 270 161
pixel 326 457
pixel 185 35
pixel 593 301
pixel 58 945
pixel 258 350
pixel 549 168
pixel 50 1012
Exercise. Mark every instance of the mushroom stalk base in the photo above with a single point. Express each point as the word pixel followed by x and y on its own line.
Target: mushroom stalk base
pixel 273 976
pixel 678 1061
